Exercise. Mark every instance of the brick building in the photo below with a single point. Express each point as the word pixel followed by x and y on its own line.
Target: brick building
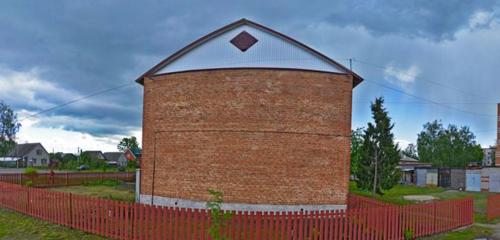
pixel 250 112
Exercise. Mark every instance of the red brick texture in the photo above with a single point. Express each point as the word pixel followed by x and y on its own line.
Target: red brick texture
pixel 259 136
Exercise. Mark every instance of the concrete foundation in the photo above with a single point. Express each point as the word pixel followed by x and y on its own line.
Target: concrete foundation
pixel 182 203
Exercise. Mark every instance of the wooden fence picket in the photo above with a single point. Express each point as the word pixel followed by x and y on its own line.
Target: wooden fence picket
pixel 369 219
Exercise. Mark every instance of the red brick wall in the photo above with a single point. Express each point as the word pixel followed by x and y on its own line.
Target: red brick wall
pixel 259 136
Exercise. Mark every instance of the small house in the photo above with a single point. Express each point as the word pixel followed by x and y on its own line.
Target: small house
pixel 95 155
pixel 28 155
pixel 407 166
pixel 116 159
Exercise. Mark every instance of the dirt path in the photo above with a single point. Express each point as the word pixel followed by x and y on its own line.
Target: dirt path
pixel 495 227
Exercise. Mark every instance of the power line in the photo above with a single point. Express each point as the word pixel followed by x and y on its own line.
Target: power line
pixel 422 79
pixel 418 97
pixel 78 99
pixel 350 63
pixel 428 100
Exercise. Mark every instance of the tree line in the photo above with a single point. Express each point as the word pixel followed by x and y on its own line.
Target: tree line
pixel 375 155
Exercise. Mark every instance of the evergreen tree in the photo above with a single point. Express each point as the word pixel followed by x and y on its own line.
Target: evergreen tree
pixel 356 150
pixel 378 167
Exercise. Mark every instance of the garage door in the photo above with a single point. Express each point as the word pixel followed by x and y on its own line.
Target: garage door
pixel 473 182
pixel 432 178
pixel 495 183
pixel 421 177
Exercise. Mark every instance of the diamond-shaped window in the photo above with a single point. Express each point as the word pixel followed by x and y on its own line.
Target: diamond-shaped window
pixel 243 41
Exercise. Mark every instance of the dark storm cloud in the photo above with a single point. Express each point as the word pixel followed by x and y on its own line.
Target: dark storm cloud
pixel 80 47
pixel 436 20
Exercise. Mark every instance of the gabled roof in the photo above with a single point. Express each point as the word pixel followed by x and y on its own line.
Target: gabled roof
pixel 113 156
pixel 206 38
pixel 94 154
pixel 407 158
pixel 24 149
pixel 132 154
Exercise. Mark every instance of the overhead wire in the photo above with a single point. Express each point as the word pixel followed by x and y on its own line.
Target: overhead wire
pixel 77 100
pixel 430 101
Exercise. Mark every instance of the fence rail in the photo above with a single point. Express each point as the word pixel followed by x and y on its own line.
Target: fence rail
pixel 63 179
pixel 493 210
pixel 121 220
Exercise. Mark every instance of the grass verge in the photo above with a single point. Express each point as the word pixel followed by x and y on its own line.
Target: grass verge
pixel 15 226
pixel 107 189
pixel 395 194
pixel 465 234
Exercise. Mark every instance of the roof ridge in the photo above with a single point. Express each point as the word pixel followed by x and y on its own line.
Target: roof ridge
pixel 357 79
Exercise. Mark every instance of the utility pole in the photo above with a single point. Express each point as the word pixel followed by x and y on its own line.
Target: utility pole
pixel 350 64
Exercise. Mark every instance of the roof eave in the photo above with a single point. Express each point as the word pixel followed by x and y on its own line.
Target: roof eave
pixel 356 78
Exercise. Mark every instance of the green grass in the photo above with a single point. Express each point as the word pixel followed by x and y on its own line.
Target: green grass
pixel 107 189
pixel 395 195
pixel 466 234
pixel 105 182
pixel 14 225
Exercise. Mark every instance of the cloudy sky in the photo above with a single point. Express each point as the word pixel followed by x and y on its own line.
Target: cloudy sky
pixel 446 53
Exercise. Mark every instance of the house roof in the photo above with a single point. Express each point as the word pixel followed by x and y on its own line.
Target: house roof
pixel 218 32
pixel 408 163
pixel 24 149
pixel 94 154
pixel 113 156
pixel 132 155
pixel 405 158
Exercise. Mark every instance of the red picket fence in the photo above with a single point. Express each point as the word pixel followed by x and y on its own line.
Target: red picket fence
pixel 356 201
pixel 493 210
pixel 64 179
pixel 121 220
pixel 421 219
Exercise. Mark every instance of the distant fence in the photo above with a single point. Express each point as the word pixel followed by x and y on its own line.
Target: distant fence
pixel 421 219
pixel 493 210
pixel 122 220
pixel 64 179
pixel 356 201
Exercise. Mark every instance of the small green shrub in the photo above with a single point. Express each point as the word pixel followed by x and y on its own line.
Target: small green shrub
pixel 132 164
pixel 31 171
pixel 29 183
pixel 217 216
pixel 408 234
